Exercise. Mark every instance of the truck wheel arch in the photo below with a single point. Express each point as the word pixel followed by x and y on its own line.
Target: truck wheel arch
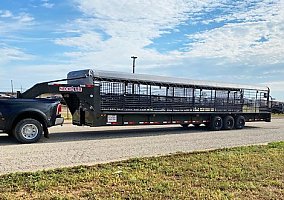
pixel 30 115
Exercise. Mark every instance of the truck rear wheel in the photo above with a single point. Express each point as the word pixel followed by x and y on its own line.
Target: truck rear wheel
pixel 240 122
pixel 216 123
pixel 28 131
pixel 229 123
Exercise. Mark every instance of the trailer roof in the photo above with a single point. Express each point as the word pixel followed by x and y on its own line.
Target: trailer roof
pixel 159 80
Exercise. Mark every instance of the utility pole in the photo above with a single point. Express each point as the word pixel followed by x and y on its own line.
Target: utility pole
pixel 133 67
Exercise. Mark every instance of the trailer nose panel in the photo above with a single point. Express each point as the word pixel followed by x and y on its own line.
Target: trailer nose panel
pixel 84 77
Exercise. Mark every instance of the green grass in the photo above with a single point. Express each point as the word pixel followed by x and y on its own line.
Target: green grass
pixel 255 172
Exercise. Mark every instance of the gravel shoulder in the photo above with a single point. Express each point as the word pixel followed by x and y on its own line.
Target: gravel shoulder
pixel 71 145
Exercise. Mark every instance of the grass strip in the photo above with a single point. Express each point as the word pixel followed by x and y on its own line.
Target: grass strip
pixel 253 172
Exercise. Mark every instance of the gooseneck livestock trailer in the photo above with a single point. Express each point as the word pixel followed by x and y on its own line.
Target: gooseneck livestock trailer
pixel 101 98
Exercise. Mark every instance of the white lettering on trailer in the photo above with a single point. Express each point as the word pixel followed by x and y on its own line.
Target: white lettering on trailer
pixel 70 89
pixel 112 118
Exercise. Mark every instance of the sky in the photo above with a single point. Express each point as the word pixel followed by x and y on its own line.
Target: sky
pixel 217 40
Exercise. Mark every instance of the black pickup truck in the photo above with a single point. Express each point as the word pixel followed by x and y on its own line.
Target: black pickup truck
pixel 28 119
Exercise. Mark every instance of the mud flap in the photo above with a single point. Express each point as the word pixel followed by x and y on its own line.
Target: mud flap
pixel 45 133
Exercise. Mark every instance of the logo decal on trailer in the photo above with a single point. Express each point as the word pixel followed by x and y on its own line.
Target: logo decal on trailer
pixel 70 89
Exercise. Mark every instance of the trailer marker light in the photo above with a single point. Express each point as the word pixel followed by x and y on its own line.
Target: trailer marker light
pixel 89 86
pixel 112 123
pixel 55 84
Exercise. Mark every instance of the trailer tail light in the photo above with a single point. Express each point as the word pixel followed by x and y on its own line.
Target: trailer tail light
pixel 59 109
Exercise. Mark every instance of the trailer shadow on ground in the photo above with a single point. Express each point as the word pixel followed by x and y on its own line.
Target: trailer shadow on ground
pixel 112 134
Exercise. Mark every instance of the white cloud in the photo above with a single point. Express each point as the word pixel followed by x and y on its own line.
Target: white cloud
pixel 13 23
pixel 5 13
pixel 47 4
pixel 254 37
pixel 10 25
pixel 24 18
pixel 87 41
pixel 12 54
pixel 126 28
pixel 240 43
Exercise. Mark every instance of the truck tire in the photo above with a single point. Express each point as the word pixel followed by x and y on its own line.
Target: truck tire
pixel 240 122
pixel 28 131
pixel 228 123
pixel 216 123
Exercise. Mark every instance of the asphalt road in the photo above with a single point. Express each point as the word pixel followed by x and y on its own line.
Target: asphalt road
pixel 70 145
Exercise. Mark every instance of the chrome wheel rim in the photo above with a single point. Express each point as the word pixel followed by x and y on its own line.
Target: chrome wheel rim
pixel 29 131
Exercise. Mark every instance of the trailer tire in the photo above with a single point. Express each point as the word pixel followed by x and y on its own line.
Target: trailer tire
pixel 240 122
pixel 28 131
pixel 216 123
pixel 228 122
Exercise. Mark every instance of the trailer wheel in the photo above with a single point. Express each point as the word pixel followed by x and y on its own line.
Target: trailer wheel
pixel 28 131
pixel 240 122
pixel 229 123
pixel 216 123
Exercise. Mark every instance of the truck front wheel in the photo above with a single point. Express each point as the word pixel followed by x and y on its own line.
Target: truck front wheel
pixel 28 131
